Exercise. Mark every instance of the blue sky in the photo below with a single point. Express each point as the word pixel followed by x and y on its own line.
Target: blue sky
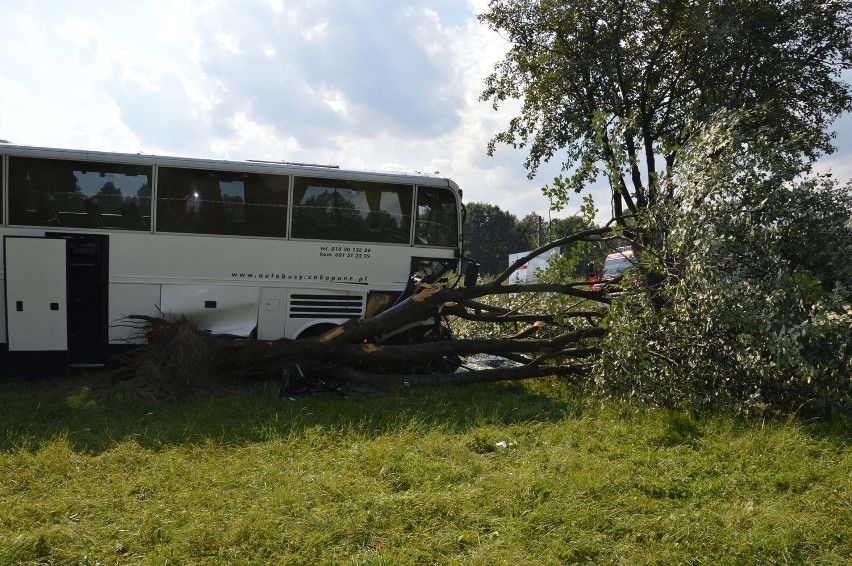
pixel 378 84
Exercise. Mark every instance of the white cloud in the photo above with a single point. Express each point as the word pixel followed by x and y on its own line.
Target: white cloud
pixel 87 38
pixel 384 84
pixel 227 42
pixel 277 6
pixel 176 20
pixel 316 32
pixel 425 27
pixel 336 100
pixel 250 134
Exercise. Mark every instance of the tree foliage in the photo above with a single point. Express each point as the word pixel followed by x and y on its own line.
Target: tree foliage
pixel 759 312
pixel 624 85
pixel 490 235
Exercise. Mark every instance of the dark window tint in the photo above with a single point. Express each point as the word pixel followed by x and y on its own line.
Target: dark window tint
pixel 79 194
pixel 221 202
pixel 356 211
pixel 437 218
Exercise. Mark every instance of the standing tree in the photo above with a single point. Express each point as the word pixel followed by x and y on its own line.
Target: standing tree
pixel 625 84
pixel 762 316
pixel 705 115
pixel 490 235
pixel 534 229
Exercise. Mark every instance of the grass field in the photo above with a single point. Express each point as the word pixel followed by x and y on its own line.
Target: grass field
pixel 500 474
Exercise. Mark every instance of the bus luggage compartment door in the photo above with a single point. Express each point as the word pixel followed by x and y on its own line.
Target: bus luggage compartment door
pixel 36 306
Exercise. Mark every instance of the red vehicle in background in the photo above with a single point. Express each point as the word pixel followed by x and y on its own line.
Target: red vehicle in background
pixel 614 265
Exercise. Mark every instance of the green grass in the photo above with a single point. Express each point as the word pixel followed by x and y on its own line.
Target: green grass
pixel 92 473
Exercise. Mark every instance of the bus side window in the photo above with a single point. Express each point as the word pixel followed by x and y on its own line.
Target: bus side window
pixel 184 201
pixel 76 194
pixel 221 202
pixel 266 199
pixel 356 211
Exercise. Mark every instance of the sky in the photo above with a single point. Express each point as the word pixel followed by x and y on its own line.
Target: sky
pixel 388 85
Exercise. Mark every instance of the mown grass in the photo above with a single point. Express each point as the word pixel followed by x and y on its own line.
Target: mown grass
pixel 98 473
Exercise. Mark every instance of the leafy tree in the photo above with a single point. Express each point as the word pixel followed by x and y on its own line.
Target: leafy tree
pixel 490 235
pixel 761 315
pixel 577 254
pixel 625 84
pixel 534 228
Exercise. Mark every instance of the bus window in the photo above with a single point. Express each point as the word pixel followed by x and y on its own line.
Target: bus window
pixel 437 218
pixel 220 202
pixel 356 211
pixel 79 194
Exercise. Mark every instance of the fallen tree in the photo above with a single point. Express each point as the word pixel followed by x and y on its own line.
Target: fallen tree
pixel 395 347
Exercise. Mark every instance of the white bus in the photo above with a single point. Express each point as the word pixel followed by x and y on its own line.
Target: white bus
pixel 249 249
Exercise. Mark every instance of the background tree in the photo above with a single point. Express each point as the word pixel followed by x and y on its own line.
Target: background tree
pixel 535 230
pixel 490 235
pixel 578 254
pixel 625 84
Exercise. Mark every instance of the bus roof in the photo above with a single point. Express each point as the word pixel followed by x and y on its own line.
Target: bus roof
pixel 282 168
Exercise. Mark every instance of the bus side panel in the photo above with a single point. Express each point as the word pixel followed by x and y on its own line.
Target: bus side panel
pixel 271 317
pixel 220 309
pixel 36 292
pixel 126 299
pixel 10 232
pixel 179 259
pixel 36 287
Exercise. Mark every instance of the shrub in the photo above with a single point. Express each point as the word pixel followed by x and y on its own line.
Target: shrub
pixel 755 308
